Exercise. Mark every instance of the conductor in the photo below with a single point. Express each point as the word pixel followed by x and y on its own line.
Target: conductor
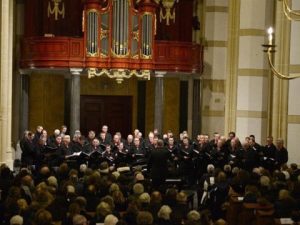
pixel 157 164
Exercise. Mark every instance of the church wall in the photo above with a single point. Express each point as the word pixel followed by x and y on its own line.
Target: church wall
pixel 46 101
pixel 252 76
pixel 293 129
pixel 215 59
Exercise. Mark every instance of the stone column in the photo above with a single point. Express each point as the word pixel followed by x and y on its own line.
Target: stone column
pixel 6 67
pixel 24 103
pixel 75 100
pixel 159 100
pixel 190 107
pixel 196 128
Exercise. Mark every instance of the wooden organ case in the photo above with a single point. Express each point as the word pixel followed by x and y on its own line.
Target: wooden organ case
pixel 117 40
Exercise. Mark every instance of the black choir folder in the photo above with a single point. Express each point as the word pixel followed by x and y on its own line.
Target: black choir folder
pixel 85 155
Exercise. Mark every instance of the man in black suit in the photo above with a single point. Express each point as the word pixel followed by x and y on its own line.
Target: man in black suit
pixel 28 151
pixel 281 153
pixel 158 165
pixel 269 154
pixel 108 137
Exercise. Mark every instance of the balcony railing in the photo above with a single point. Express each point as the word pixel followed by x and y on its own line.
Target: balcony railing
pixel 66 52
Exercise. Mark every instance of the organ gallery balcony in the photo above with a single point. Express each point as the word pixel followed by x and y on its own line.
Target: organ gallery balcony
pixel 66 52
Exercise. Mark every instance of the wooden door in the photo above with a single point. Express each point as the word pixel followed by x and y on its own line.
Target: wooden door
pixel 113 111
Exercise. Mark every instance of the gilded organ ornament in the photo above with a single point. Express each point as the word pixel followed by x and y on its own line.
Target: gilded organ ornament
pixel 56 10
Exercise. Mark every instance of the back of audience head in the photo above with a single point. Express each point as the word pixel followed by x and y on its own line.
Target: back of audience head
pixel 264 181
pixel 103 209
pixel 193 215
pixel 283 194
pixel 156 197
pixel 181 197
pixel 144 198
pixel 109 200
pixel 144 218
pixel 16 220
pixel 138 188
pixel 74 208
pixel 164 212
pixel 113 187
pixel 80 220
pixel 81 201
pixel 221 177
pixel 110 220
pixel 220 222
pixel 210 168
pixel 43 217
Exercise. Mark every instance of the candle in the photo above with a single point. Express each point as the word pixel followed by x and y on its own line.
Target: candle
pixel 270 32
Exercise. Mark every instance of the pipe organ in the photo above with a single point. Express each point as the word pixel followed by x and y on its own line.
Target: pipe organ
pixel 119 37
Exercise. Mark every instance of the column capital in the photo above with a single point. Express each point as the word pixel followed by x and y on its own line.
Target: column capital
pixel 76 71
pixel 24 72
pixel 160 73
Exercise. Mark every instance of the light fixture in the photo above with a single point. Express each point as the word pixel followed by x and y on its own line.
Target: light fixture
pixel 270 49
pixel 119 74
pixel 289 12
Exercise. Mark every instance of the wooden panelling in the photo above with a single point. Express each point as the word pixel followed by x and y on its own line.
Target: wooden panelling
pixel 46 101
pixel 37 22
pixel 178 56
pixel 171 105
pixel 61 52
pixel 65 52
pixel 114 111
pixel 180 29
pixel 105 86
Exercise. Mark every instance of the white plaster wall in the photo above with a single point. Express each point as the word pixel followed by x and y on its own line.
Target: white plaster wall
pixel 294 94
pixel 252 14
pixel 251 93
pixel 295 4
pixel 248 126
pixel 213 124
pixel 295 43
pixel 216 26
pixel 215 59
pixel 251 54
pixel 293 143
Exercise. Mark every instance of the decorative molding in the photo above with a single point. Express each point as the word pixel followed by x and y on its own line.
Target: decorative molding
pixel 294 119
pixel 221 9
pixel 76 71
pixel 251 114
pixel 253 72
pixel 295 68
pixel 212 113
pixel 160 73
pixel 213 43
pixel 252 32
